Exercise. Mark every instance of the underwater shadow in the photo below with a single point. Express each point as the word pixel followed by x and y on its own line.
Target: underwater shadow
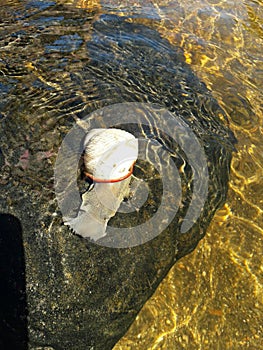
pixel 13 306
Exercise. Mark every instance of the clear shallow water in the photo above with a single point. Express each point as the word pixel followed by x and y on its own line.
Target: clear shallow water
pixel 211 299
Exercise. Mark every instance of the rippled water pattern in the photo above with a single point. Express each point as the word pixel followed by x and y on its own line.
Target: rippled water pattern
pixel 213 298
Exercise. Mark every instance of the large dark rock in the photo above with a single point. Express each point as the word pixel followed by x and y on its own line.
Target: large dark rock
pixel 82 295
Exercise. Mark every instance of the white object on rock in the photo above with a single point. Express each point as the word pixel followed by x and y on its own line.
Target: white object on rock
pixel 109 158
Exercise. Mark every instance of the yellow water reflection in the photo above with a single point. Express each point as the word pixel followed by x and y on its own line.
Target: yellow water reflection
pixel 213 298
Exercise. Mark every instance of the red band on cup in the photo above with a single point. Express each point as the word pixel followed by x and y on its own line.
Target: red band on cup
pixel 108 181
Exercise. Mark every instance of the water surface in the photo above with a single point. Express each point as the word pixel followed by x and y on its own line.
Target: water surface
pixel 213 298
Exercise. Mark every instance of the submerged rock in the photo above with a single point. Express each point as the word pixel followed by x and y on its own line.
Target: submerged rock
pixel 82 295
